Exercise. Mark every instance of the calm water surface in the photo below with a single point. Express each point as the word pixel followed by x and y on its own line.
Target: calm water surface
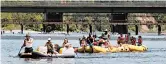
pixel 156 54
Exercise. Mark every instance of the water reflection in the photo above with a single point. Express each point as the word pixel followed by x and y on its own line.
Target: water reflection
pixel 53 61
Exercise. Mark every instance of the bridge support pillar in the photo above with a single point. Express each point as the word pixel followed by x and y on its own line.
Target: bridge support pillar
pixel 90 28
pixel 67 26
pixel 159 29
pixel 52 17
pixel 112 29
pixel 119 18
pixel 22 28
pixel 136 29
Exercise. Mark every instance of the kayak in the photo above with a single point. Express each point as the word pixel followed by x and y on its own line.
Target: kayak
pixel 96 49
pixel 39 55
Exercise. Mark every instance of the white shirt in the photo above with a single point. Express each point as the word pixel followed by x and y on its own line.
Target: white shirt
pixel 69 51
pixel 28 43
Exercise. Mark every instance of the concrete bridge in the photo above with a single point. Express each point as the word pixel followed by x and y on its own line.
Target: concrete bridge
pixel 54 9
pixel 112 6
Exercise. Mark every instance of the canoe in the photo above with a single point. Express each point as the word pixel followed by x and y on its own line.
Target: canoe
pixel 96 49
pixel 39 55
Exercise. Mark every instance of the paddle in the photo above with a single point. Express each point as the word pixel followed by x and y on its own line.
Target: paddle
pixel 20 51
pixel 90 44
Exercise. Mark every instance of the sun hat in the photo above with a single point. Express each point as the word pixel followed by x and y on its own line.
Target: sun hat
pixel 49 38
pixel 27 35
pixel 105 30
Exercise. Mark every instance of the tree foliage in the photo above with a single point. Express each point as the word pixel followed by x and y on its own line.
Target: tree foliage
pixel 22 17
pixel 102 18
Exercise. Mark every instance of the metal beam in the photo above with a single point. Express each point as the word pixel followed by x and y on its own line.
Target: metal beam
pixel 94 23
pixel 86 9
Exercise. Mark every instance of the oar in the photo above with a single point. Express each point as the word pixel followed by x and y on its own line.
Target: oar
pixel 91 46
pixel 20 51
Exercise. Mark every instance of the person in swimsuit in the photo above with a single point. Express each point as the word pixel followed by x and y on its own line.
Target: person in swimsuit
pixel 28 42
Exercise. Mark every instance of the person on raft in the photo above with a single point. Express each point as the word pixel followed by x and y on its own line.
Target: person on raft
pixel 90 39
pixel 56 49
pixel 49 46
pixel 118 42
pixel 83 44
pixel 122 39
pixel 128 39
pixel 106 34
pixel 68 49
pixel 133 40
pixel 139 41
pixel 28 44
pixel 64 42
pixel 103 42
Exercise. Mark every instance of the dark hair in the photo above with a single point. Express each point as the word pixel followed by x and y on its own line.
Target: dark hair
pixel 58 48
pixel 139 37
pixel 64 41
pixel 128 33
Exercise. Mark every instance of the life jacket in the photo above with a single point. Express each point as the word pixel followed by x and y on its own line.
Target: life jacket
pixel 140 41
pixel 121 40
pixel 95 43
pixel 106 43
pixel 133 42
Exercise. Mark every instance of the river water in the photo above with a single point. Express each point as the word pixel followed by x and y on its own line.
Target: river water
pixel 155 54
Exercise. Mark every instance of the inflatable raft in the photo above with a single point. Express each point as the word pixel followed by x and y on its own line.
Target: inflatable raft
pixel 137 48
pixel 38 55
pixel 96 49
pixel 123 48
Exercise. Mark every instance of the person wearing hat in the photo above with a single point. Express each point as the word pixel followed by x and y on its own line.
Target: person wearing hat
pixel 106 34
pixel 49 46
pixel 28 44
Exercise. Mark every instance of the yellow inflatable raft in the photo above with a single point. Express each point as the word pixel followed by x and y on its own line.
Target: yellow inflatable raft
pixel 113 49
pixel 119 49
pixel 135 48
pixel 96 49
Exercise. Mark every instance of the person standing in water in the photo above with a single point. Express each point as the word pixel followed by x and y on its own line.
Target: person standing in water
pixel 49 46
pixel 28 44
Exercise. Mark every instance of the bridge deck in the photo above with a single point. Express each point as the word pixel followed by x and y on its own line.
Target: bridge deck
pixel 127 6
pixel 83 3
